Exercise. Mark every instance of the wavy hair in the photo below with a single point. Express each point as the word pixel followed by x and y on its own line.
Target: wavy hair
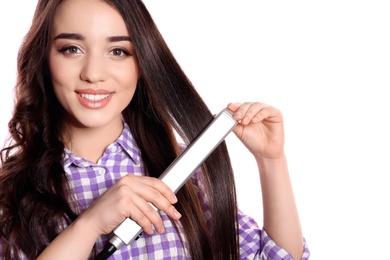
pixel 33 198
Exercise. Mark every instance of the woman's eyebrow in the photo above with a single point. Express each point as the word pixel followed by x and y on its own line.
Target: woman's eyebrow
pixel 76 36
pixel 118 38
pixel 72 36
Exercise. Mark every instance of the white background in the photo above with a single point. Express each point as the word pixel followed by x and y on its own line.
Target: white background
pixel 325 64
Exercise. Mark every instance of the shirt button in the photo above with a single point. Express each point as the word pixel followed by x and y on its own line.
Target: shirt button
pixel 113 149
pixel 102 171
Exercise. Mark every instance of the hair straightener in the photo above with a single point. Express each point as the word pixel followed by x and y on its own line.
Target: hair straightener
pixel 177 174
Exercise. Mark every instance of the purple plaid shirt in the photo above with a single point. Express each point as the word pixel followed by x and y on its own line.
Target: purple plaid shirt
pixel 89 180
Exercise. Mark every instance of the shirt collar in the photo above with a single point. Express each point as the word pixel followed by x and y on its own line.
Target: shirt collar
pixel 125 141
pixel 128 144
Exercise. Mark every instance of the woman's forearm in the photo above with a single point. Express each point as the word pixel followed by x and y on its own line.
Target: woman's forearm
pixel 75 242
pixel 281 219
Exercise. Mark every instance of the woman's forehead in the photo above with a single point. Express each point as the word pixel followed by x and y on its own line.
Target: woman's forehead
pixel 88 17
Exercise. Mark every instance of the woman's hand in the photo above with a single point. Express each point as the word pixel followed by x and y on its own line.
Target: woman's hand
pixel 130 197
pixel 260 129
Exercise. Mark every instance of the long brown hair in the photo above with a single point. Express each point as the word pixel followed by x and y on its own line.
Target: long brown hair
pixel 33 201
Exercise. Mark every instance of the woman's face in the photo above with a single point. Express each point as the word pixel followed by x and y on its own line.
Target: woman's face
pixel 93 70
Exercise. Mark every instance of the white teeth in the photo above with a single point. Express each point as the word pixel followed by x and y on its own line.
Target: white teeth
pixel 92 97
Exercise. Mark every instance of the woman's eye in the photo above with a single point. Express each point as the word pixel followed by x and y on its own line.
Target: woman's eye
pixel 119 52
pixel 70 50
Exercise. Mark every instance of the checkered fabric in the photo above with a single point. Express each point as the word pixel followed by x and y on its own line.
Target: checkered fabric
pixel 89 180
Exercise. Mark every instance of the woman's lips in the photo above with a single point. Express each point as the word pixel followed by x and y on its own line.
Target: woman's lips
pixel 94 98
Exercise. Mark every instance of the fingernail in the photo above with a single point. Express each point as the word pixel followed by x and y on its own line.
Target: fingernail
pixel 177 214
pixel 160 230
pixel 238 115
pixel 173 199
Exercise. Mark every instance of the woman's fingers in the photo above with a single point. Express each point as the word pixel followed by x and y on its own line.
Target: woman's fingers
pixel 158 188
pixel 260 128
pixel 148 194
pixel 146 216
pixel 252 112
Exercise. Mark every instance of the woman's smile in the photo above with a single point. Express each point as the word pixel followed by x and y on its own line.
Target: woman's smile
pixel 94 98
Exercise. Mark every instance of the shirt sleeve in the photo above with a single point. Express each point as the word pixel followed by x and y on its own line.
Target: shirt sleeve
pixel 255 243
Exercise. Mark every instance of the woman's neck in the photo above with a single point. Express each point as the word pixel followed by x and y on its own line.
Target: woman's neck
pixel 90 143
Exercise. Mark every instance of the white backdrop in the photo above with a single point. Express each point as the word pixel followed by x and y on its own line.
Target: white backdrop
pixel 325 64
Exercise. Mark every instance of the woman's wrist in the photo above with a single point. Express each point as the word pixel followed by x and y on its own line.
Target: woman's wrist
pixel 266 162
pixel 75 242
pixel 86 228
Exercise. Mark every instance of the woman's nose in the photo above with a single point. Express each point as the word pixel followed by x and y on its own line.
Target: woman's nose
pixel 94 69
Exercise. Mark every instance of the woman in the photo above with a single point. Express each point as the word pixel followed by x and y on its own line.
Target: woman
pixel 98 98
